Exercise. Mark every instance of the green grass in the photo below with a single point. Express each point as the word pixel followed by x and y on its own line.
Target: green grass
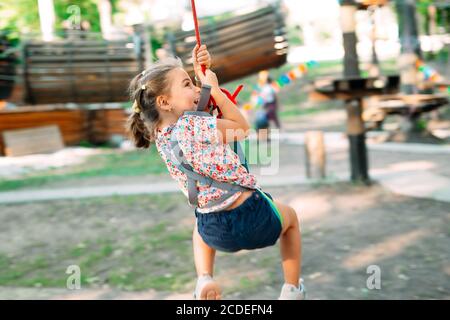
pixel 157 258
pixel 131 163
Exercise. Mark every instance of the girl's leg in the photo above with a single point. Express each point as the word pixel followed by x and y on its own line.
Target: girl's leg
pixel 206 288
pixel 203 255
pixel 290 244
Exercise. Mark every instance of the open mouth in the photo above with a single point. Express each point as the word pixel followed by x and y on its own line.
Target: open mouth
pixel 196 101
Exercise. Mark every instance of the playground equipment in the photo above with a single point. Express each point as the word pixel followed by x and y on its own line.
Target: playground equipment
pixel 352 91
pixel 241 45
pixel 80 71
pixel 7 68
pixel 352 88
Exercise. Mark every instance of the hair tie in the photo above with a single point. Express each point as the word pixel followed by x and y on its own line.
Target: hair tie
pixel 135 107
pixel 143 87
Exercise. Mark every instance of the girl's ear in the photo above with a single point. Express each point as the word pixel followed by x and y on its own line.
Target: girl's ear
pixel 161 102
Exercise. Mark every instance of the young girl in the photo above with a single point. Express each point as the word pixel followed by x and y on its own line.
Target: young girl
pixel 164 97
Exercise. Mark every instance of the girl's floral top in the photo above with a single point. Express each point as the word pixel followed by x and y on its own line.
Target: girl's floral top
pixel 198 139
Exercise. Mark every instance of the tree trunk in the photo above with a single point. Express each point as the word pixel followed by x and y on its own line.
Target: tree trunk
pixel 410 51
pixel 47 19
pixel 105 12
pixel 348 25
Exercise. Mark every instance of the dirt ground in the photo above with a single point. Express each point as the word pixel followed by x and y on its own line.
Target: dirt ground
pixel 140 246
pixel 133 244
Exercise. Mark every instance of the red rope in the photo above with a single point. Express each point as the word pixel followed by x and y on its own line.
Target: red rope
pixel 233 96
pixel 197 30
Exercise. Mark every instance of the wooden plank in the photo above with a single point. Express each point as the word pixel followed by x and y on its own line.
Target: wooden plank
pixel 217 47
pixel 71 51
pixel 246 61
pixel 81 71
pixel 78 43
pixel 221 37
pixel 87 65
pixel 85 92
pixel 83 99
pixel 82 83
pixel 75 72
pixel 81 50
pixel 237 44
pixel 254 67
pixel 115 76
pixel 238 31
pixel 253 50
pixel 77 58
pixel 267 11
pixel 315 154
pixel 31 141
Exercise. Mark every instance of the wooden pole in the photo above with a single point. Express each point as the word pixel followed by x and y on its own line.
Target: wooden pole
pixel 355 124
pixel 357 142
pixel 315 154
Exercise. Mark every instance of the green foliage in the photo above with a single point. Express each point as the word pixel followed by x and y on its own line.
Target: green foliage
pixel 442 14
pixel 22 16
pixel 19 16
pixel 88 11
pixel 131 163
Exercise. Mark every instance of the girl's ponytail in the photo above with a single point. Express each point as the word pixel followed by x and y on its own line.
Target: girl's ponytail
pixel 140 134
pixel 144 89
pixel 136 126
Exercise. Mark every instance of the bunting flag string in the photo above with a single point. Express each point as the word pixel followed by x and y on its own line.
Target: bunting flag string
pixel 430 74
pixel 298 72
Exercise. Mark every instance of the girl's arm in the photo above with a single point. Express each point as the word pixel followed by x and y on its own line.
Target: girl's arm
pixel 233 126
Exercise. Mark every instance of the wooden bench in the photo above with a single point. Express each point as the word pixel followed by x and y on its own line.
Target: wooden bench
pixel 33 140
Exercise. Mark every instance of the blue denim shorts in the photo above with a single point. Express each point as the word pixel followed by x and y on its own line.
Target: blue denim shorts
pixel 256 223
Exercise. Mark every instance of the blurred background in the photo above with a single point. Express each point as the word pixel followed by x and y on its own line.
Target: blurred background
pixel 349 102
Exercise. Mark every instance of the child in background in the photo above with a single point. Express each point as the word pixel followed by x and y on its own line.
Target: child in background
pixel 269 96
pixel 267 106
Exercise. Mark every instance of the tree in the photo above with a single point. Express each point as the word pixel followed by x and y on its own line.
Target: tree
pixel 22 16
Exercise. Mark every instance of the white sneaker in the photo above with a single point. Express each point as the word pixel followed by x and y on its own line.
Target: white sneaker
pixel 291 292
pixel 206 289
